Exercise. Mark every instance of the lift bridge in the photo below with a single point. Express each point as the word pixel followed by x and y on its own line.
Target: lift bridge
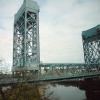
pixel 26 52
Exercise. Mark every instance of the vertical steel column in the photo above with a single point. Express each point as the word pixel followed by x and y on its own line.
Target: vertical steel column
pixel 18 42
pixel 26 48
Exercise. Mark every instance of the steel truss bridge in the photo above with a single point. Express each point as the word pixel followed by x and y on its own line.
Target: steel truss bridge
pixel 26 52
pixel 55 71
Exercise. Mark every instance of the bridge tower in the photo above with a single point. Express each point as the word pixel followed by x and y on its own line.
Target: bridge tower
pixel 26 48
pixel 91 45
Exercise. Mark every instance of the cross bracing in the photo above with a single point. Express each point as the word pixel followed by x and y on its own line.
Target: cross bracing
pixel 91 46
pixel 26 54
pixel 61 70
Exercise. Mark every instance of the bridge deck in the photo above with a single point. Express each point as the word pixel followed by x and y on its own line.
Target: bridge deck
pixel 51 72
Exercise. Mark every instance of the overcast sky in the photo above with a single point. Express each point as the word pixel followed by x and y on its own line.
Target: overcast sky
pixel 61 26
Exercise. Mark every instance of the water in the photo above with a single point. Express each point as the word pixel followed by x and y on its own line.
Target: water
pixel 88 89
pixel 61 92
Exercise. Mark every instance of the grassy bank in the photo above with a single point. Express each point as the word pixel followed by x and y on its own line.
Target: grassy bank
pixel 23 92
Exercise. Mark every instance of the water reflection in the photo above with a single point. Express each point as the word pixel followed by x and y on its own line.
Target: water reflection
pixel 88 89
pixel 66 93
pixel 92 88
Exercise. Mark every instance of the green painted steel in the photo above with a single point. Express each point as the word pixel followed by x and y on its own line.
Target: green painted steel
pixel 91 32
pixel 91 45
pixel 53 72
pixel 26 51
pixel 28 5
pixel 61 71
pixel 26 47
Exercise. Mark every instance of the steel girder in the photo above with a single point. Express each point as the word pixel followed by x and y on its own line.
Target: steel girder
pixel 64 70
pixel 26 41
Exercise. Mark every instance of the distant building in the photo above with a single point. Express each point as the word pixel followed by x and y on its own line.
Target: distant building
pixel 26 48
pixel 91 45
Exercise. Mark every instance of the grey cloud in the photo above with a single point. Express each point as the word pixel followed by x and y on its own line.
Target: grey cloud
pixel 63 29
pixel 61 24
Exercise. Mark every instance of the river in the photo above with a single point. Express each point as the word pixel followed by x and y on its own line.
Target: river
pixel 60 92
pixel 84 90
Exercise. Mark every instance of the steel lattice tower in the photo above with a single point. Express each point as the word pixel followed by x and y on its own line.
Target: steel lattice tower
pixel 91 45
pixel 26 49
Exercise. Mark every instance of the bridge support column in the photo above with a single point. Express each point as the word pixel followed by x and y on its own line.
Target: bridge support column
pixel 26 47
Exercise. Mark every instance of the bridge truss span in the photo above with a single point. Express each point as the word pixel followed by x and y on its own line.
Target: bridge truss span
pixel 57 71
